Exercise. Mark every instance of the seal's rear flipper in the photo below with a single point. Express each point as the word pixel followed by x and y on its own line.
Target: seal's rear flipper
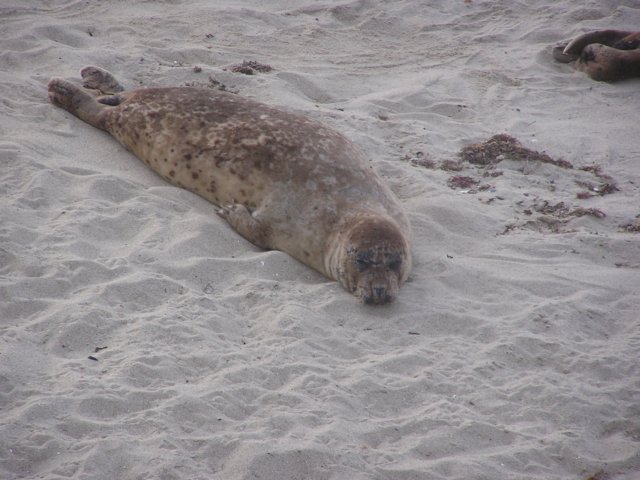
pixel 604 37
pixel 99 79
pixel 76 100
pixel 630 42
pixel 559 56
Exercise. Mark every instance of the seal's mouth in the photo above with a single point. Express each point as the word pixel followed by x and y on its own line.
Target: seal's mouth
pixel 378 297
pixel 378 291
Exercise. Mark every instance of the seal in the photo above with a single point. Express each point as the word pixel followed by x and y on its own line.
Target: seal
pixel 281 180
pixel 604 55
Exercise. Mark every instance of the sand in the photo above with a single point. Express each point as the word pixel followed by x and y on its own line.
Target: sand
pixel 142 338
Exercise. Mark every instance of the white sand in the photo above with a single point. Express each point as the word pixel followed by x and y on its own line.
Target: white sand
pixel 513 352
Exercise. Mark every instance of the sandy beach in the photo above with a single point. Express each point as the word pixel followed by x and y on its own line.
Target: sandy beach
pixel 142 338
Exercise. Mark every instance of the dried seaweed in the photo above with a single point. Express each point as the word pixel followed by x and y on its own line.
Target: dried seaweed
pixel 250 67
pixel 504 147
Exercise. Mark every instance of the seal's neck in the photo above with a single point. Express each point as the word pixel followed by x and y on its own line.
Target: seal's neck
pixel 334 253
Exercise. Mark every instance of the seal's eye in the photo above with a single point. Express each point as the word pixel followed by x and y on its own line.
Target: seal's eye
pixel 362 263
pixel 393 261
pixel 395 264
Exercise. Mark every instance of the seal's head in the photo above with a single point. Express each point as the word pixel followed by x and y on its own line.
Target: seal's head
pixel 372 259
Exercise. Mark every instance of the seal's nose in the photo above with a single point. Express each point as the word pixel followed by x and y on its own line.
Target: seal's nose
pixel 380 292
pixel 379 296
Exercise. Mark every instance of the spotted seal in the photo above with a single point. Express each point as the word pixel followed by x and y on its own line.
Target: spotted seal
pixel 281 180
pixel 604 55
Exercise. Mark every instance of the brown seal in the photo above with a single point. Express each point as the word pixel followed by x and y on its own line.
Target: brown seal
pixel 281 180
pixel 604 55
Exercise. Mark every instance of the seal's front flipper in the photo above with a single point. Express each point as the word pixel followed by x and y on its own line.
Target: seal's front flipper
pixel 247 224
pixel 99 79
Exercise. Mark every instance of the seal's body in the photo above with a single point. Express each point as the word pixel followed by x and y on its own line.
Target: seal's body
pixel 605 55
pixel 281 180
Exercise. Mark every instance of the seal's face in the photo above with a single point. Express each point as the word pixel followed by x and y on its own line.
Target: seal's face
pixel 375 261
